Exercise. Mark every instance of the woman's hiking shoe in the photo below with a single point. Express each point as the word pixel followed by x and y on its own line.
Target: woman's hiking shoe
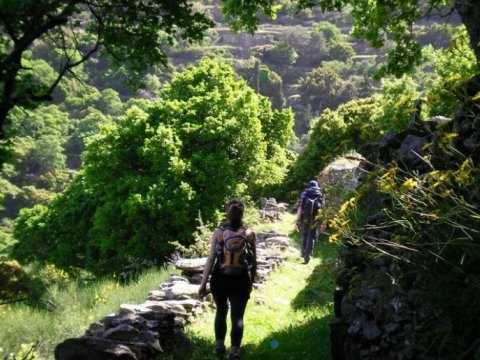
pixel 235 354
pixel 219 351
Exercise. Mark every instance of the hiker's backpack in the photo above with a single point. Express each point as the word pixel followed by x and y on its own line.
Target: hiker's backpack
pixel 234 252
pixel 312 203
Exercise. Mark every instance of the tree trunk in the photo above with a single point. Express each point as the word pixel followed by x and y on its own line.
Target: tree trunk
pixel 469 11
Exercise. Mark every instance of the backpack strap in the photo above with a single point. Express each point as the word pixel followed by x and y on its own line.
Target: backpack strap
pixel 235 235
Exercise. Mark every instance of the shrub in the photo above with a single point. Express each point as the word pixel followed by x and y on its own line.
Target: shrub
pixel 334 133
pixel 144 181
pixel 281 54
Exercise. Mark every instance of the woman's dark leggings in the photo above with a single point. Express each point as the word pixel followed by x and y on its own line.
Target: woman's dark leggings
pixel 238 305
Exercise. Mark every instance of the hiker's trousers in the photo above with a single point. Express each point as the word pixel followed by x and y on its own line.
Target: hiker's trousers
pixel 225 293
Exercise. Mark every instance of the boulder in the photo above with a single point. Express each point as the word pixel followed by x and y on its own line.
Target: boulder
pixel 176 278
pixel 150 338
pixel 95 329
pixel 411 150
pixel 92 348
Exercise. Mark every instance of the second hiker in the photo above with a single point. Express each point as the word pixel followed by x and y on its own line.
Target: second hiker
pixel 310 203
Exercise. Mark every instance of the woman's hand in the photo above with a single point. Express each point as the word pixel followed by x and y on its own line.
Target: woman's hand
pixel 202 291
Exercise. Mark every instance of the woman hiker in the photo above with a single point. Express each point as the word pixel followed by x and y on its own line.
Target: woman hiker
pixel 232 264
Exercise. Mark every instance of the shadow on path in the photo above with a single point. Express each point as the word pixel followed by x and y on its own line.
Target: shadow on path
pixel 307 339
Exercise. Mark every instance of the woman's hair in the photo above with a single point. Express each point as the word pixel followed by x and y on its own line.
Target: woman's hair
pixel 235 208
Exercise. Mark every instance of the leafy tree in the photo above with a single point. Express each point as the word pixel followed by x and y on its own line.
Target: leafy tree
pixel 321 88
pixel 123 29
pixel 39 146
pixel 84 129
pixel 110 103
pixel 40 169
pixel 281 54
pixel 373 20
pixel 265 81
pixel 144 181
pixel 315 51
pixel 340 50
pixel 453 67
pixel 400 96
pixel 329 31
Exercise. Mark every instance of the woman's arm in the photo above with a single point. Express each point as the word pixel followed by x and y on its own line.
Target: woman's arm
pixel 253 242
pixel 202 290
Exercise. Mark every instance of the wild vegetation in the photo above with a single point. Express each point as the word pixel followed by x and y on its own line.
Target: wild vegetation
pixel 143 180
pixel 118 158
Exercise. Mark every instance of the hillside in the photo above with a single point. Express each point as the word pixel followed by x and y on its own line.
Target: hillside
pixel 127 127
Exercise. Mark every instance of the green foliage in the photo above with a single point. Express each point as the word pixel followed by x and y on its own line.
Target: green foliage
pixel 110 103
pixel 202 239
pixel 426 224
pixel 340 50
pixel 16 285
pixel 266 82
pixel 399 95
pixel 244 15
pixel 282 54
pixel 6 238
pixel 374 21
pixel 321 88
pixel 329 31
pixel 334 133
pixel 26 352
pixel 294 308
pixel 144 181
pixel 131 30
pixel 71 306
pixel 39 171
pixel 453 67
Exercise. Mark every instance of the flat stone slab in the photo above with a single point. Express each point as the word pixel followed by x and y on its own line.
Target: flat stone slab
pixel 191 266
pixel 148 306
pixel 282 241
pixel 263 235
pixel 188 304
pixel 156 295
pixel 181 290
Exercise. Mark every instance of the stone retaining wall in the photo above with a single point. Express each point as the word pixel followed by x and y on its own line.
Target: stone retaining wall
pixel 142 331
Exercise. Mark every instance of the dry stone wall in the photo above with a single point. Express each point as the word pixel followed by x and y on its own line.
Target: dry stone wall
pixel 143 331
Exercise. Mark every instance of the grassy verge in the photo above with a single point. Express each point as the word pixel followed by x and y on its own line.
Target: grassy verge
pixel 288 318
pixel 70 311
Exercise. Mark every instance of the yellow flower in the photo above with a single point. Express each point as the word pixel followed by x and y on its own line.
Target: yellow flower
pixel 345 205
pixel 409 184
pixel 333 238
pixel 465 172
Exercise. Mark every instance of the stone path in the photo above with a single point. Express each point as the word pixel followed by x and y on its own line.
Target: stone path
pixel 142 331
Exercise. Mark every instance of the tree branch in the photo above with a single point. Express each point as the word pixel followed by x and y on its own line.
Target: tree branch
pixel 65 68
pixel 11 32
pixel 24 42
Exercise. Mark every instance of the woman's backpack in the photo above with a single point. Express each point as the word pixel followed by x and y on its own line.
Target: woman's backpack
pixel 234 252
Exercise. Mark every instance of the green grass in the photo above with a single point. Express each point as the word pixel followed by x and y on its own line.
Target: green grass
pixel 294 309
pixel 70 311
